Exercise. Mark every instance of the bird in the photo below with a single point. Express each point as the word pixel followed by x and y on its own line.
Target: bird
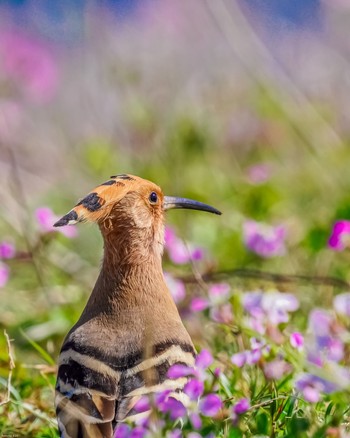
pixel 130 332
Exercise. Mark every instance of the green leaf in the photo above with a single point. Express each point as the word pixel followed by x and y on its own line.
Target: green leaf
pixel 263 423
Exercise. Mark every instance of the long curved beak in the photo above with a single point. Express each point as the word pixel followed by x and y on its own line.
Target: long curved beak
pixel 174 202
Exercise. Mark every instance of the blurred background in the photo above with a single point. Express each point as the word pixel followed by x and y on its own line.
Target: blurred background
pixel 241 104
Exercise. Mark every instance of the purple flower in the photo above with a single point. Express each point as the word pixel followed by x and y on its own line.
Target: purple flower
pixel 253 356
pixel 176 287
pixel 176 371
pixel 269 308
pixel 174 407
pixel 176 433
pixel 339 237
pixel 239 359
pixel 204 359
pixel 197 254
pixel 210 405
pixel 7 250
pixel 142 405
pixel 220 309
pixel 312 387
pixel 138 432
pixel 194 389
pixel 252 303
pixel 276 369
pixel 320 322
pixel 276 306
pixel 46 218
pixel 314 358
pixel 196 420
pixel 334 349
pixel 341 304
pixel 256 344
pixel 264 240
pixel 297 340
pixel 198 304
pixel 161 397
pixel 122 431
pixel 4 274
pixel 242 406
pixel 30 65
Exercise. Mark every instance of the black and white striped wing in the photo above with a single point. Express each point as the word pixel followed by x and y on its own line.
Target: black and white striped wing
pixel 86 393
pixel 93 394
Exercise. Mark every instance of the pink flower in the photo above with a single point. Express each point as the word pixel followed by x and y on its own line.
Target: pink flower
pixel 7 250
pixel 198 304
pixel 4 274
pixel 222 314
pixel 210 405
pixel 258 173
pixel 30 64
pixel 264 240
pixel 219 292
pixel 176 287
pixel 239 359
pixel 178 252
pixel 339 238
pixel 276 369
pixel 220 308
pixel 297 340
pixel 46 218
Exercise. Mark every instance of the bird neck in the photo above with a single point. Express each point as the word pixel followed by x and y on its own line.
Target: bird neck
pixel 127 246
pixel 131 297
pixel 131 270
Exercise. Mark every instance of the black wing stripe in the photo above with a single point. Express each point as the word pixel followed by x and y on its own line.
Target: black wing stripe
pixel 75 374
pixel 124 363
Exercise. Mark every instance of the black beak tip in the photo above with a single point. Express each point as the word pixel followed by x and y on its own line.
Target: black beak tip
pixel 60 223
pixel 70 217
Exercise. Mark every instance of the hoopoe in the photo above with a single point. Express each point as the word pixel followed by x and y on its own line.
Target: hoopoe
pixel 130 332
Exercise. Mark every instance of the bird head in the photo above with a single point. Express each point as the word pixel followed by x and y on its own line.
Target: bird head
pixel 129 207
pixel 128 198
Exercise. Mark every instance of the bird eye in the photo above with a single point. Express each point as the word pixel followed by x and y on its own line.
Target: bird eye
pixel 153 197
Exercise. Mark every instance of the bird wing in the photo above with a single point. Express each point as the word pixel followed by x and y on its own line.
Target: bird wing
pixel 93 393
pixel 86 395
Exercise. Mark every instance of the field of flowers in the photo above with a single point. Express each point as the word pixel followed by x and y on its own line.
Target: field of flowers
pixel 200 100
